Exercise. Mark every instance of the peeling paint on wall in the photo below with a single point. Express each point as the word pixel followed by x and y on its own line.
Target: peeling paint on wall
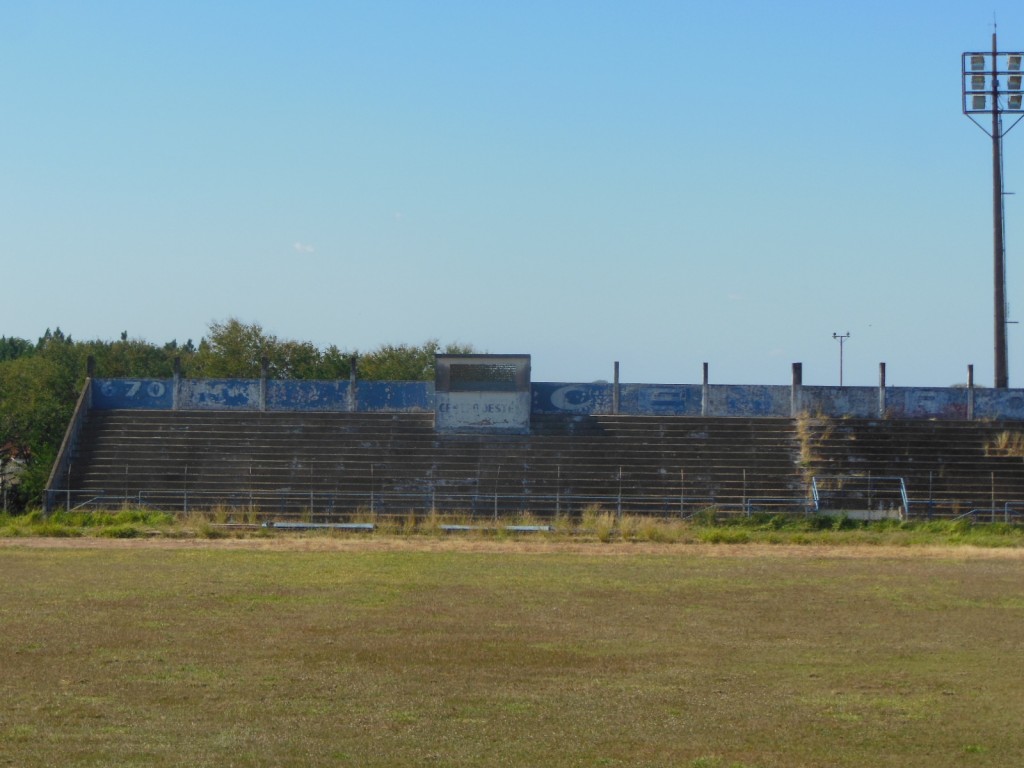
pixel 999 404
pixel 308 395
pixel 219 394
pixel 861 402
pixel 483 411
pixel 920 403
pixel 749 400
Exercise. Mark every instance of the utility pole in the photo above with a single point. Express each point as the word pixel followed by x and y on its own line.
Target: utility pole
pixel 984 93
pixel 841 337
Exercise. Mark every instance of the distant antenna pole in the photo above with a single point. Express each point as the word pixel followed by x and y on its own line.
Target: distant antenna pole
pixel 983 93
pixel 841 337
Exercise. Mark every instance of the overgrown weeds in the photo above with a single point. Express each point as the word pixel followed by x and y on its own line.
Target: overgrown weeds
pixel 1006 443
pixel 595 523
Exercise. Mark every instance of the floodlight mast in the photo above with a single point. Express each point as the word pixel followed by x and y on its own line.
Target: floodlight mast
pixel 1002 370
pixel 981 95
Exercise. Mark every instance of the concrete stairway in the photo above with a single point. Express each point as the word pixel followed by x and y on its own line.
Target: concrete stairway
pixel 948 467
pixel 281 464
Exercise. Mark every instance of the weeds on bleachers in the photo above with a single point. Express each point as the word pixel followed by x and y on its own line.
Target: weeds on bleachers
pixel 1006 444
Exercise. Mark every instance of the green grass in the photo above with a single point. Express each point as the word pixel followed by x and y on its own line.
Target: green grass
pixel 125 523
pixel 518 655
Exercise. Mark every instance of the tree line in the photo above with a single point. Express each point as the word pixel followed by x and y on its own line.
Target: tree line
pixel 40 382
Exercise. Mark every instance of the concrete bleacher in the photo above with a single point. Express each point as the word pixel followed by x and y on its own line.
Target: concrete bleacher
pixel 949 468
pixel 278 463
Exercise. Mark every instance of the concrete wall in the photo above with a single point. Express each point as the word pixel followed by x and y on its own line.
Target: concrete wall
pixel 507 412
pixel 559 398
pixel 374 396
pixel 482 393
pixel 999 404
pixel 747 400
pixel 847 401
pixel 247 395
pixel 571 398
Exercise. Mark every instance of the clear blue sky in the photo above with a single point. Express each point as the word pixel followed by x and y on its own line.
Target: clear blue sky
pixel 658 183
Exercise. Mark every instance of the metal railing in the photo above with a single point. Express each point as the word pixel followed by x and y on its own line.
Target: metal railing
pixel 1011 511
pixel 868 489
pixel 386 502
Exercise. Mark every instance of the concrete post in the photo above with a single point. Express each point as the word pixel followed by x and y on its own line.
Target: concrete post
pixel 353 365
pixel 795 392
pixel 704 392
pixel 615 390
pixel 881 390
pixel 970 392
pixel 264 367
pixel 176 384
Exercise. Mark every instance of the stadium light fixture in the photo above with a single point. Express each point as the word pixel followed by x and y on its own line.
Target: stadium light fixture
pixel 983 93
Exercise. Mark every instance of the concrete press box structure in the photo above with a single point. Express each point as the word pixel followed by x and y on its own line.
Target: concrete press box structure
pixel 482 393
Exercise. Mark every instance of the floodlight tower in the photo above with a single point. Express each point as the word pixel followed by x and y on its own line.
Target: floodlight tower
pixel 984 93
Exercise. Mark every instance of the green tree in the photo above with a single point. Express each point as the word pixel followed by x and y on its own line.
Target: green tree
pixel 40 383
pixel 232 349
pixel 12 348
pixel 405 363
pixel 37 397
pixel 129 358
pixel 335 364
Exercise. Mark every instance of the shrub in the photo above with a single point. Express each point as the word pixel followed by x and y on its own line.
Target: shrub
pixel 724 536
pixel 122 531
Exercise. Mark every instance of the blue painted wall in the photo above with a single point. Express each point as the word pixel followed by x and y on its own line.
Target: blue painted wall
pixel 922 403
pixel 562 398
pixel 999 404
pixel 749 400
pixel 133 393
pixel 219 394
pixel 660 399
pixel 847 401
pixel 583 399
pixel 374 396
pixel 307 395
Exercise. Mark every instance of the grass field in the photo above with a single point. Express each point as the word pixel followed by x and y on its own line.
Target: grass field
pixel 424 652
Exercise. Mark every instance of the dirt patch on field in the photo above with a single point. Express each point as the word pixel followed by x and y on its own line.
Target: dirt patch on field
pixel 618 549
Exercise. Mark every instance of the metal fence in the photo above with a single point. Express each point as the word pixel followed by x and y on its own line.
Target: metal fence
pixel 340 504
